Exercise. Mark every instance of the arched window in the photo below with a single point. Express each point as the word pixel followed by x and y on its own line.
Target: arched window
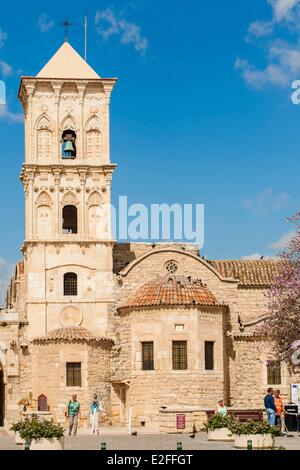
pixel 70 284
pixel 69 218
pixel 68 144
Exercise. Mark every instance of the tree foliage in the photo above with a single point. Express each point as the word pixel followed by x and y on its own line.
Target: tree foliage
pixel 283 322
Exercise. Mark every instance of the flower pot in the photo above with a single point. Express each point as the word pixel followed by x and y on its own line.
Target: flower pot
pixel 259 441
pixel 18 439
pixel 47 444
pixel 221 434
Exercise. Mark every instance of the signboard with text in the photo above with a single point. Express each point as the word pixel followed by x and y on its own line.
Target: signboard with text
pixel 180 421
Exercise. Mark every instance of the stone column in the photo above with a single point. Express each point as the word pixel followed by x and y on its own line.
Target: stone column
pixel 57 87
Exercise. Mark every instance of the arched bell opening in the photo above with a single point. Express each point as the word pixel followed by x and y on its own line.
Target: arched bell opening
pixel 68 144
pixel 69 219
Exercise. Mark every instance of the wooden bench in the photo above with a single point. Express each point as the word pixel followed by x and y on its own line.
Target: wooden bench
pixel 242 415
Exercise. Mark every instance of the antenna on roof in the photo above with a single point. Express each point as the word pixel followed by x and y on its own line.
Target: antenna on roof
pixel 85 34
pixel 66 25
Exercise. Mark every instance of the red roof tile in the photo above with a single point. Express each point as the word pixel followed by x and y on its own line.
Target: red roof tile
pixel 69 335
pixel 248 272
pixel 171 290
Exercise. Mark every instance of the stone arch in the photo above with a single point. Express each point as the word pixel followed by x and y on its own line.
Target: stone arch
pixel 44 139
pixel 93 138
pixel 156 251
pixel 44 199
pixel 68 123
pixel 69 199
pixel 95 199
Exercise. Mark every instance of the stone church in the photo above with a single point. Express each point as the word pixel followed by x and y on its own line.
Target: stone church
pixel 149 327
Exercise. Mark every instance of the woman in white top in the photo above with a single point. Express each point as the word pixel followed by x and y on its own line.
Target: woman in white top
pixel 221 409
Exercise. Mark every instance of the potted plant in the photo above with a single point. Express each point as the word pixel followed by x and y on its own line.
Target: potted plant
pixel 16 427
pixel 218 428
pixel 259 432
pixel 40 434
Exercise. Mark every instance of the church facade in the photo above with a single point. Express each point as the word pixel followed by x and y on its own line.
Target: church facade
pixel 146 326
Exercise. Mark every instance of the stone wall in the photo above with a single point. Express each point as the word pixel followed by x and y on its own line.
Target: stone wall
pixel 49 375
pixel 163 386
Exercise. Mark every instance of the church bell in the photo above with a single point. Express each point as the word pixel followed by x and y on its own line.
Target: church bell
pixel 69 146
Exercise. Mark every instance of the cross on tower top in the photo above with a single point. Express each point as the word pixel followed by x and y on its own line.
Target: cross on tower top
pixel 66 25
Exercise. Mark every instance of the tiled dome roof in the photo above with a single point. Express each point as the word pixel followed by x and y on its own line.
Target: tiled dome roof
pixel 70 335
pixel 171 290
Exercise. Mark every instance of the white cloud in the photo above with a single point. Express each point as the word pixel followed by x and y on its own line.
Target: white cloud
pixel 282 57
pixel 10 116
pixel 5 68
pixel 283 9
pixel 6 270
pixel 108 24
pixel 282 242
pixel 266 202
pixel 3 37
pixel 260 28
pixel 44 24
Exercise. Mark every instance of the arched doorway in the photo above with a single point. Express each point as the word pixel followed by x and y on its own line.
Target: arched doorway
pixel 2 397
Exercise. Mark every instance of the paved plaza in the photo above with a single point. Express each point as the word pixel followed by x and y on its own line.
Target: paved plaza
pixel 143 441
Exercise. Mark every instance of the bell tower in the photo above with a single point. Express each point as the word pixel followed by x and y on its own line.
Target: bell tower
pixel 67 182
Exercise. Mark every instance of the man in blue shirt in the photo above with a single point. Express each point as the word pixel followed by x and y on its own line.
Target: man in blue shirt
pixel 270 406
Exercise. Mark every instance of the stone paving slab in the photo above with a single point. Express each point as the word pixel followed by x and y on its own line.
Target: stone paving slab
pixel 148 442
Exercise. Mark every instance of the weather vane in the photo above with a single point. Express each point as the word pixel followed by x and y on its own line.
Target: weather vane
pixel 66 25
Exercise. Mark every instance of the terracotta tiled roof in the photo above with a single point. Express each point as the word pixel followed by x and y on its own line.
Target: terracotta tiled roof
pixel 248 272
pixel 69 335
pixel 171 290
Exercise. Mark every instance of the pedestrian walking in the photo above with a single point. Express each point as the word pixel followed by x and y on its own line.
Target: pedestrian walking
pixel 279 410
pixel 270 406
pixel 95 408
pixel 72 413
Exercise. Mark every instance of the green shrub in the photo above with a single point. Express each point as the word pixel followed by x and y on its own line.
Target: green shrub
pixel 251 427
pixel 218 422
pixel 34 429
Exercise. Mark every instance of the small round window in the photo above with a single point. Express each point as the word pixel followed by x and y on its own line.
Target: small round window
pixel 171 267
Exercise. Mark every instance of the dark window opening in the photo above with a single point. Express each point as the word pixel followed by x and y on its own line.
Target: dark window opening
pixel 209 355
pixel 69 219
pixel 68 144
pixel 147 355
pixel 274 373
pixel 73 374
pixel 70 284
pixel 179 355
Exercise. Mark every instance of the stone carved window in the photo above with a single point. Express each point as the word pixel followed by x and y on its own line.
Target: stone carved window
pixel 209 355
pixel 73 373
pixel 94 213
pixel 44 215
pixel 274 373
pixel 93 139
pixel 147 355
pixel 179 355
pixel 171 267
pixel 70 284
pixel 44 139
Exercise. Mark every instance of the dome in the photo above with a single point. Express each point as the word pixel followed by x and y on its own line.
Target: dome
pixel 171 290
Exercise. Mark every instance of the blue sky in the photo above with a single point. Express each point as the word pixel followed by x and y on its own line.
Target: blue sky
pixel 202 111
